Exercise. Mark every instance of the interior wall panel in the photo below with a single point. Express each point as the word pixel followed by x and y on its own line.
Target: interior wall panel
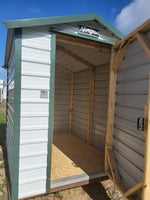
pixel 62 100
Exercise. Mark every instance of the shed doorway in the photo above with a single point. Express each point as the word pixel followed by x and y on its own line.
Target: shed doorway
pixel 80 111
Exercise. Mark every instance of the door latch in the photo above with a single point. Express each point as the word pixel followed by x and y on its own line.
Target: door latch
pixel 140 124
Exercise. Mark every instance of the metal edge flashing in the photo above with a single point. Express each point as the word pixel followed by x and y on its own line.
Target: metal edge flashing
pixel 17 97
pixel 51 110
pixel 77 178
pixel 60 20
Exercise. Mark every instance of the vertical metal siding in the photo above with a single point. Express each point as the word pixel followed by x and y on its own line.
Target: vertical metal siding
pixel 131 96
pixel 35 77
pixel 100 106
pixel 81 103
pixel 10 110
pixel 62 100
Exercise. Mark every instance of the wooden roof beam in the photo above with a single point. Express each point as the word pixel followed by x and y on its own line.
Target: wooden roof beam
pixel 63 68
pixel 74 56
pixel 82 42
pixel 144 41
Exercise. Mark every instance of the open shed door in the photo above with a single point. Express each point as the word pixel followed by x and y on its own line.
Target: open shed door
pixel 127 139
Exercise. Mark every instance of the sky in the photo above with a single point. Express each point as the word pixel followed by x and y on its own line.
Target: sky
pixel 125 15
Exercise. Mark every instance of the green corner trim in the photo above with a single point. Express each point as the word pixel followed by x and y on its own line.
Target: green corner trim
pixel 51 110
pixel 61 20
pixel 16 129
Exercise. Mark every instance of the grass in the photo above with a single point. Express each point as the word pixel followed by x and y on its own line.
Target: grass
pixel 3 184
pixel 3 104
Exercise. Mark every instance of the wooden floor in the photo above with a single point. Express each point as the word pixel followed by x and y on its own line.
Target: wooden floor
pixel 72 156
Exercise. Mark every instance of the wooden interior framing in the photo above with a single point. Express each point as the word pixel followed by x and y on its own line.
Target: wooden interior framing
pixel 144 41
pixel 111 168
pixel 63 68
pixel 110 162
pixel 135 190
pixel 74 56
pixel 90 115
pixel 146 180
pixel 71 102
pixel 120 55
pixel 82 42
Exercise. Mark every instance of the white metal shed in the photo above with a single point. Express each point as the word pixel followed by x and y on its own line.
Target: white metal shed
pixel 59 72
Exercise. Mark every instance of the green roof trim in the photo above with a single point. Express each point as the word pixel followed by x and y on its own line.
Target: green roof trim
pixel 61 20
pixel 83 36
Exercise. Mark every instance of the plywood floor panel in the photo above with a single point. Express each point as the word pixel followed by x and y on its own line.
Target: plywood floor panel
pixel 73 156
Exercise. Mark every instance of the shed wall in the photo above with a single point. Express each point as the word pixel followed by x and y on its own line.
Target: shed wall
pixel 101 83
pixel 10 109
pixel 131 96
pixel 80 103
pixel 62 100
pixel 35 87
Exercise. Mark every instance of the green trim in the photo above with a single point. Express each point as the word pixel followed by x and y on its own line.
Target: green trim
pixel 110 27
pixel 61 20
pixel 51 110
pixel 48 21
pixel 83 36
pixel 16 129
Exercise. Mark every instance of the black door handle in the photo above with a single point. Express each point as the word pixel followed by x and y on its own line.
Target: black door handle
pixel 140 124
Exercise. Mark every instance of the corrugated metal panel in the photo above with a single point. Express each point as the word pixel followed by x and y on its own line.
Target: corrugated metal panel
pixel 62 100
pixel 93 56
pixel 35 77
pixel 10 111
pixel 81 103
pixel 100 106
pixel 131 96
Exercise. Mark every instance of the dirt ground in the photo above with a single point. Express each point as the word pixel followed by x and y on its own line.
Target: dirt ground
pixel 96 191
pixel 104 190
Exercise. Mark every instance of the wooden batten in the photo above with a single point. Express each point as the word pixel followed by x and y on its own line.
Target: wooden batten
pixel 143 28
pixel 134 190
pixel 113 166
pixel 90 115
pixel 74 57
pixel 120 55
pixel 144 41
pixel 146 181
pixel 111 107
pixel 145 120
pixel 82 42
pixel 71 102
pixel 63 68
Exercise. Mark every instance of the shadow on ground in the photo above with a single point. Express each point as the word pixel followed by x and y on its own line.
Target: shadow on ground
pixel 96 191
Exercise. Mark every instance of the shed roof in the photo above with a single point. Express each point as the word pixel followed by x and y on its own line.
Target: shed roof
pixel 62 20
pixel 66 25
